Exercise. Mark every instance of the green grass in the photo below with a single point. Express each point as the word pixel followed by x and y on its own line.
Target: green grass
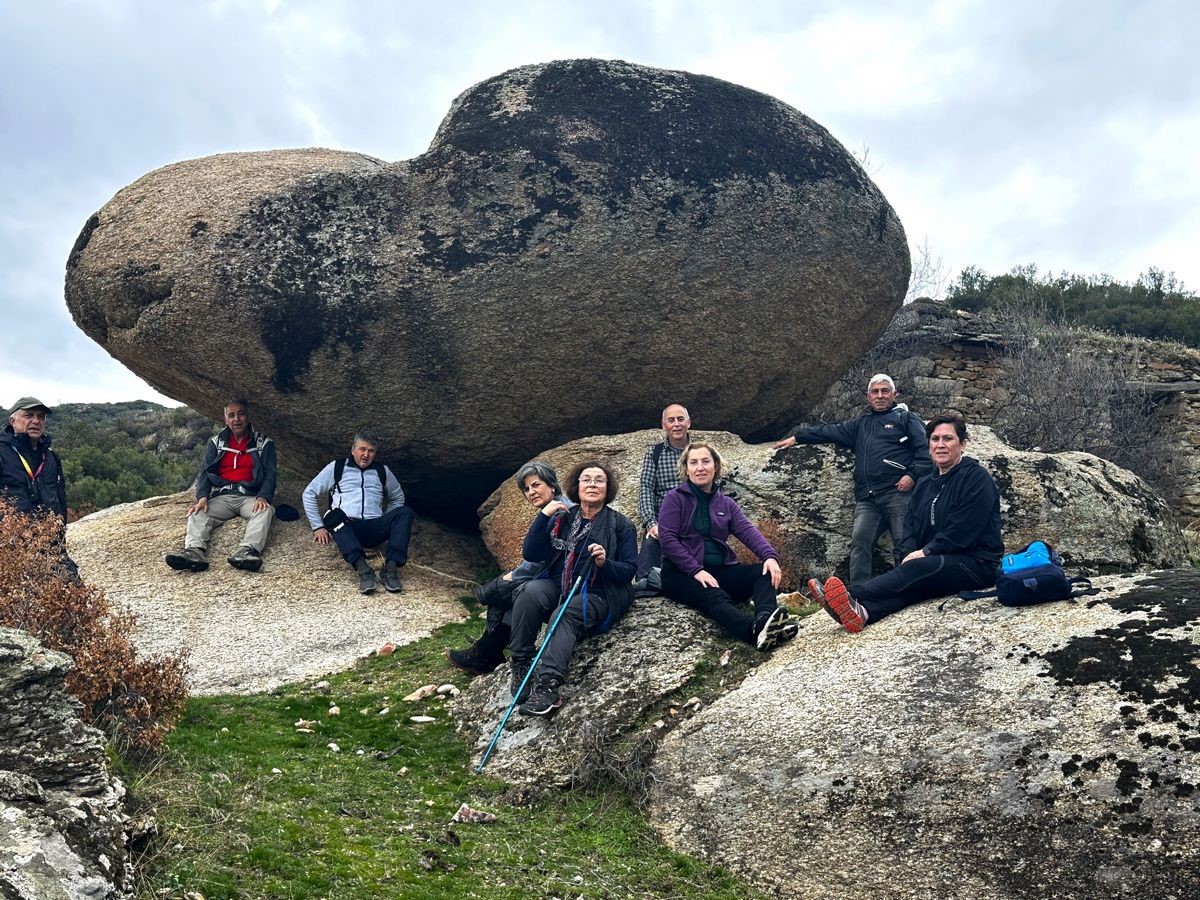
pixel 344 825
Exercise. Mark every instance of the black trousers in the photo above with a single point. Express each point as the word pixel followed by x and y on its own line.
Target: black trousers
pixel 649 556
pixel 922 579
pixel 738 583
pixel 497 596
pixel 395 527
pixel 538 601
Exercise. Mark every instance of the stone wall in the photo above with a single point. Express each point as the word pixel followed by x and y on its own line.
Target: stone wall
pixel 62 816
pixel 949 360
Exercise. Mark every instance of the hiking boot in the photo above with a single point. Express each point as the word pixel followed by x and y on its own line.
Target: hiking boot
pixel 790 629
pixel 520 668
pixel 189 560
pixel 366 577
pixel 482 657
pixel 771 629
pixel 650 586
pixel 545 700
pixel 246 558
pixel 391 578
pixel 848 612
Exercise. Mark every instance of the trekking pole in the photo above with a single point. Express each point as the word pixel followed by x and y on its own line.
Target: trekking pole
pixel 533 665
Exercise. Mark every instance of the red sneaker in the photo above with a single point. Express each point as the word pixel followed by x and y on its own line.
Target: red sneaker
pixel 839 604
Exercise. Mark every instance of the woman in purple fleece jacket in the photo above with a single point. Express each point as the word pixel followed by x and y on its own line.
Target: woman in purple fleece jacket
pixel 699 570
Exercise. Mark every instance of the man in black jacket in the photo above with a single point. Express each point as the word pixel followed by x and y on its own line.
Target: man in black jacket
pixel 31 477
pixel 890 456
pixel 237 478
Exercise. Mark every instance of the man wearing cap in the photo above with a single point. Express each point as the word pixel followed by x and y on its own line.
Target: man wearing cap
pixel 891 454
pixel 237 478
pixel 31 476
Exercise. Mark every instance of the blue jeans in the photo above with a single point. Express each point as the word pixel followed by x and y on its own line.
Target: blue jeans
pixel 872 517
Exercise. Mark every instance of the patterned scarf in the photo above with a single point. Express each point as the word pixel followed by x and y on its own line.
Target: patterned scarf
pixel 580 528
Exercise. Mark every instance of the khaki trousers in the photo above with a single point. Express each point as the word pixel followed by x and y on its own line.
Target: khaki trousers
pixel 221 509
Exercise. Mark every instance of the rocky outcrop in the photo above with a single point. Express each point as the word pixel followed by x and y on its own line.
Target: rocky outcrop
pixel 299 617
pixel 62 822
pixel 616 680
pixel 508 289
pixel 948 359
pixel 1101 517
pixel 972 751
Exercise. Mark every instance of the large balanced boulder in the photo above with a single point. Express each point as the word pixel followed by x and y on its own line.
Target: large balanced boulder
pixel 1102 518
pixel 972 751
pixel 574 231
pixel 62 817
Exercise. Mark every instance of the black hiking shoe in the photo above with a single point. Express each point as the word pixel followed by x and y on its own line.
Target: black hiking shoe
pixel 193 560
pixel 246 559
pixel 770 632
pixel 366 577
pixel 481 658
pixel 520 668
pixel 545 700
pixel 391 578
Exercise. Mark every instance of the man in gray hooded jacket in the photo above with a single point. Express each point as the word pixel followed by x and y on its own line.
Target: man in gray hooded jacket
pixel 366 508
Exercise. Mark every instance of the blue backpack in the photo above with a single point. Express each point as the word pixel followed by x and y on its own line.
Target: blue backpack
pixel 1033 575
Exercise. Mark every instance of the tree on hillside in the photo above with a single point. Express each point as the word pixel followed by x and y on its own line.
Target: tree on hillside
pixel 1156 305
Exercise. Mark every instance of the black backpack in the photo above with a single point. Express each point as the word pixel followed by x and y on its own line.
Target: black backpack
pixel 339 468
pixel 1033 575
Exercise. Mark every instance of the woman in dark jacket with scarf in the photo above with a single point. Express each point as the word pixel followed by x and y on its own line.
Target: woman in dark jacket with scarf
pixel 590 539
pixel 951 542
pixel 700 571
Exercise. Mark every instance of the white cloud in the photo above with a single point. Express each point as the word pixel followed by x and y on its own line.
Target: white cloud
pixel 1060 134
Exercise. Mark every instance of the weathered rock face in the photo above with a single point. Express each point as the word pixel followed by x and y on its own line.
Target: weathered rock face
pixel 329 624
pixel 511 287
pixel 976 752
pixel 1099 516
pixel 614 681
pixel 62 823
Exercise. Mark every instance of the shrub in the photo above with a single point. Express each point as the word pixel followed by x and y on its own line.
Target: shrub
pixel 775 537
pixel 1156 305
pixel 1065 398
pixel 135 701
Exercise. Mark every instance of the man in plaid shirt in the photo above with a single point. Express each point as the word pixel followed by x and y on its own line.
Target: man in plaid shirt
pixel 660 474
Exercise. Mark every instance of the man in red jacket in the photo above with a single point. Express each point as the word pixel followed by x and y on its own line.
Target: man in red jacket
pixel 237 478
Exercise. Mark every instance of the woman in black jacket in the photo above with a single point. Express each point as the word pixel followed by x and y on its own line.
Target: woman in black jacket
pixel 591 539
pixel 952 538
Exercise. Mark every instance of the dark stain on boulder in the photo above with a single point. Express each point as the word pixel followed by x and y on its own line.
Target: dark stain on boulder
pixel 1151 668
pixel 81 241
pixel 312 292
pixel 689 128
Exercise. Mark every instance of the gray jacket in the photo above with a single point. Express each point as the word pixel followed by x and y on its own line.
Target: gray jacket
pixel 361 493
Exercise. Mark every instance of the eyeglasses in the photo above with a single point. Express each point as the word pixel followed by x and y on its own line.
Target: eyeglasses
pixel 590 480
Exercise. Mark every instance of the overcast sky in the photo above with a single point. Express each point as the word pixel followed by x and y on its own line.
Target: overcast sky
pixel 1061 134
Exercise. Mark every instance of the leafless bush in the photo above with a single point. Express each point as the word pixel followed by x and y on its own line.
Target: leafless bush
pixel 136 700
pixel 929 275
pixel 624 763
pixel 770 529
pixel 1067 393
